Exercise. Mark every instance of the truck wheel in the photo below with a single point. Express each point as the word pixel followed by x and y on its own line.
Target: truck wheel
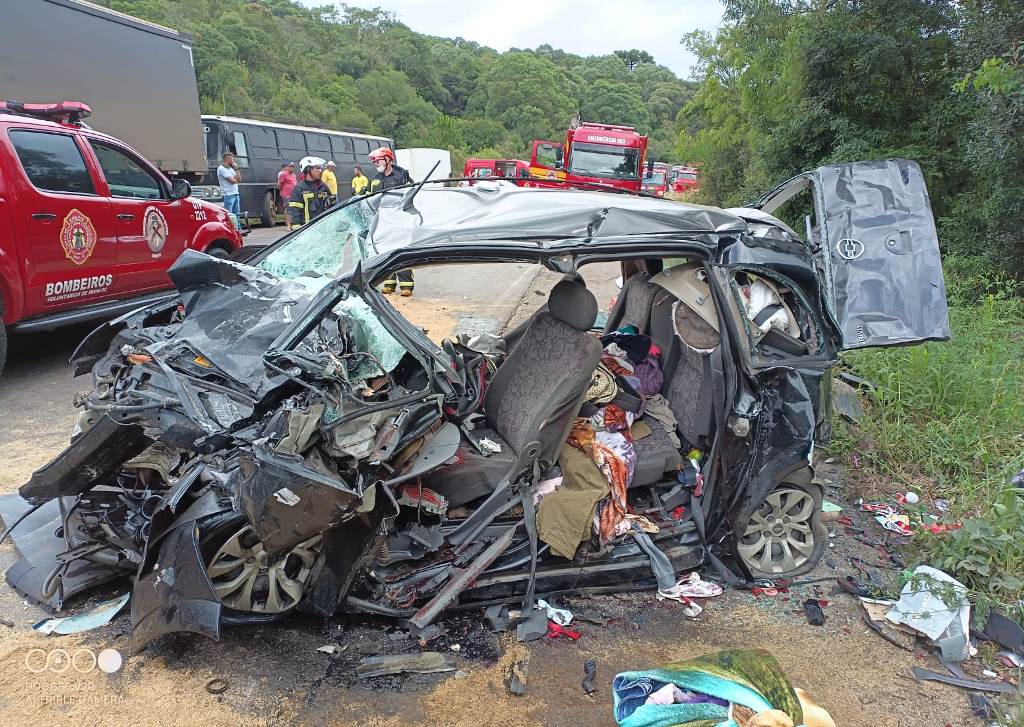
pixel 269 209
pixel 218 251
pixel 3 346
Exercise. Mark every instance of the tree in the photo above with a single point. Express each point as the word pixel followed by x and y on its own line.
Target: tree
pixel 614 103
pixel 388 98
pixel 530 95
pixel 633 57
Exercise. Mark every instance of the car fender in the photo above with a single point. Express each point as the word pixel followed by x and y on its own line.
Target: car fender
pixel 212 231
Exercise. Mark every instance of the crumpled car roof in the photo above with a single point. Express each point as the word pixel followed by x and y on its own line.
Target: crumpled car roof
pixel 499 211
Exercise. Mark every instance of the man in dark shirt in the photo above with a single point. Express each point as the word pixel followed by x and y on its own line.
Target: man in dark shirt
pixel 391 175
pixel 311 196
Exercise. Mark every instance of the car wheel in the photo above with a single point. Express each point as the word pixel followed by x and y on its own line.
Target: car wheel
pixel 785 536
pixel 252 586
pixel 3 346
pixel 269 209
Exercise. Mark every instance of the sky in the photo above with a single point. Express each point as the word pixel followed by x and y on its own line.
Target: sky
pixel 594 27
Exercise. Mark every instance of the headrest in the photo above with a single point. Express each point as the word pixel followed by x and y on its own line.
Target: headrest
pixel 573 304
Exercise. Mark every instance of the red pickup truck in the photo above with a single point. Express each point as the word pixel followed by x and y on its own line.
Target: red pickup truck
pixel 88 227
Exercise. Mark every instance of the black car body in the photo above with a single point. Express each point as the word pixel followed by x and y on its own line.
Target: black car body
pixel 281 438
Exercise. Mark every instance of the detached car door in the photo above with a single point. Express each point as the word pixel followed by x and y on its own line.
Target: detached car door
pixel 877 251
pixel 153 229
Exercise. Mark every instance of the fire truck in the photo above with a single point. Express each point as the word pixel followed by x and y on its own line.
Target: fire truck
pixel 595 154
pixel 656 180
pixel 684 179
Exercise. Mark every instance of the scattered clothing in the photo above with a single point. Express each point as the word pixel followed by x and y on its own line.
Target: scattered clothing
pixel 565 517
pixel 657 408
pixel 727 687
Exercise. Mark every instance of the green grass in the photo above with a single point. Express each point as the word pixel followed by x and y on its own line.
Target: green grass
pixel 948 420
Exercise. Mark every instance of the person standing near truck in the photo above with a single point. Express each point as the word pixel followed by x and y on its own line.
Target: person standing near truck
pixel 330 179
pixel 228 177
pixel 391 175
pixel 286 182
pixel 310 196
pixel 359 181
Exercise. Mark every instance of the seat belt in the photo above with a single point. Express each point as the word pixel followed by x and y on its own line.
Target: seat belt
pixel 767 312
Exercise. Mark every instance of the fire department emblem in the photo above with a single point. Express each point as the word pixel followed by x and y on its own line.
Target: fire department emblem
pixel 154 227
pixel 77 237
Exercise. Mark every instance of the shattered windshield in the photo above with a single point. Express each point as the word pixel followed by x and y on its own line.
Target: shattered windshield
pixel 325 247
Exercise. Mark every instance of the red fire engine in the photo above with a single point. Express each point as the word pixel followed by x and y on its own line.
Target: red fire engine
pixel 684 178
pixel 656 180
pixel 601 154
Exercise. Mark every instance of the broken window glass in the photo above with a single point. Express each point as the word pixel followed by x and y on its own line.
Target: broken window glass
pixel 325 247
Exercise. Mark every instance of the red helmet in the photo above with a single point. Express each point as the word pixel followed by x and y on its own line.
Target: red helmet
pixel 382 153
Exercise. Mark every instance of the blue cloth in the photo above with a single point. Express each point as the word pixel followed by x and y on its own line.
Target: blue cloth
pixel 224 175
pixel 710 683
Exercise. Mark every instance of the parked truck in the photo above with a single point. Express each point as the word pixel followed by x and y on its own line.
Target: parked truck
pixel 420 161
pixel 592 155
pixel 137 76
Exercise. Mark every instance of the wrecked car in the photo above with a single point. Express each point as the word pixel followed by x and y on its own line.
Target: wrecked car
pixel 280 438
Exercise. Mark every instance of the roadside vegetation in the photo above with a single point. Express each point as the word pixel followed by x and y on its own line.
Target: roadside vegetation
pixel 946 420
pixel 789 85
pixel 344 67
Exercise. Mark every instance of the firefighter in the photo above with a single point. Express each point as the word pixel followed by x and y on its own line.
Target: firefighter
pixel 310 196
pixel 391 175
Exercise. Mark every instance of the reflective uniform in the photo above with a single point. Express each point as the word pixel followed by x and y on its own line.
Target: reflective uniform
pixel 359 184
pixel 307 201
pixel 397 178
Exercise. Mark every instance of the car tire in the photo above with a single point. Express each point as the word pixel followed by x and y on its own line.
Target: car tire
pixel 3 347
pixel 269 210
pixel 785 535
pixel 227 542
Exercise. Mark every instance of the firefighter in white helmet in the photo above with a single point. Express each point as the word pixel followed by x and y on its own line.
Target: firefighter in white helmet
pixel 310 196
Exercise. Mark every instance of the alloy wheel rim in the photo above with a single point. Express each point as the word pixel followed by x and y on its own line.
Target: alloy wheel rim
pixel 246 578
pixel 778 538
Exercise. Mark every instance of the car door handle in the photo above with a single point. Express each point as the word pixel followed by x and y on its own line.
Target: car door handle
pixel 43 216
pixel 125 216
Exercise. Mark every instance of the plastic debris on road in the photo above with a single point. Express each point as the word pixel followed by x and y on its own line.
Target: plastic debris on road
pixel 935 604
pixel 99 615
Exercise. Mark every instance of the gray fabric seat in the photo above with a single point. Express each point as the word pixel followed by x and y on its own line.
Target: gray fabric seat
pixel 689 385
pixel 655 455
pixel 535 394
pixel 633 306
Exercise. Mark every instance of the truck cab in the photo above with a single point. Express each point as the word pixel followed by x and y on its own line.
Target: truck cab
pixel 88 227
pixel 488 168
pixel 656 180
pixel 684 179
pixel 593 154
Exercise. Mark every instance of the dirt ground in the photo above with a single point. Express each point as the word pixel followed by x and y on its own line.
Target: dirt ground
pixel 275 675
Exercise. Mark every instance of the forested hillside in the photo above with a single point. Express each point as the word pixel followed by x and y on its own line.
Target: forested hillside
pixel 345 67
pixel 787 85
